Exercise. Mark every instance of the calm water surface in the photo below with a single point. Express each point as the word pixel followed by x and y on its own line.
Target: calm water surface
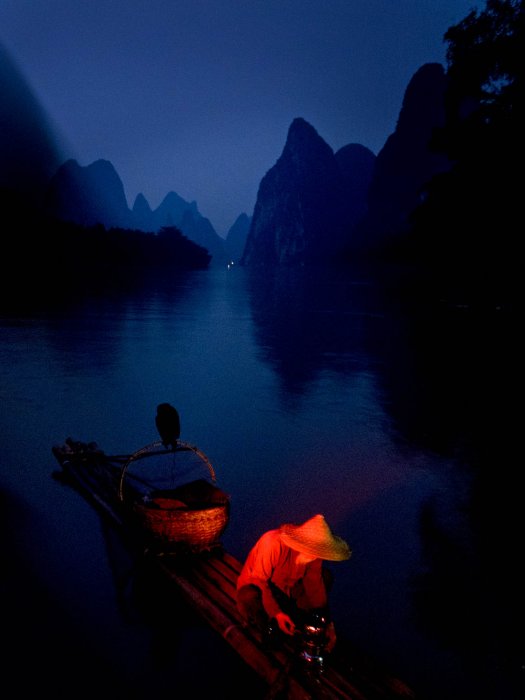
pixel 310 393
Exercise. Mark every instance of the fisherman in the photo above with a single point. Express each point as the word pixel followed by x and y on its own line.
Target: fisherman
pixel 283 578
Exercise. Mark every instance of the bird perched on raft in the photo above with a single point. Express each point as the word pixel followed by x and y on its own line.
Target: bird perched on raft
pixel 168 424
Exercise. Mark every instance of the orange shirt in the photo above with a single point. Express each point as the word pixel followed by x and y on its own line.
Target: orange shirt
pixel 271 560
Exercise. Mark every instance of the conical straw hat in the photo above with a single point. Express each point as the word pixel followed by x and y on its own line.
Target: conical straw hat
pixel 315 538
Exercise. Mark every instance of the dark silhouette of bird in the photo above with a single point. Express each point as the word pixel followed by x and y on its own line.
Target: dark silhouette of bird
pixel 168 424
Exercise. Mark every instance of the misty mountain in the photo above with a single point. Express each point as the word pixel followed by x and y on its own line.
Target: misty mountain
pixel 200 230
pixel 405 164
pixel 313 204
pixel 34 176
pixel 301 211
pixel 94 194
pixel 357 164
pixel 142 213
pixel 310 205
pixel 237 236
pixel 88 195
pixel 176 211
pixel 29 150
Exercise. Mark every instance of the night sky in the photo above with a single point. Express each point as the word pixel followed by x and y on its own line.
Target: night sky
pixel 196 96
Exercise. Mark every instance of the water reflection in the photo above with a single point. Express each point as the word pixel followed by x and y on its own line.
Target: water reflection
pixel 444 374
pixel 308 391
pixel 454 401
pixel 311 320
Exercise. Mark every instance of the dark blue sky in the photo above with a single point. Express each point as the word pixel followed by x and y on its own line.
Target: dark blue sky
pixel 196 96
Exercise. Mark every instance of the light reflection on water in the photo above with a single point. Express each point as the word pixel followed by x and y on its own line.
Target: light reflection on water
pixel 306 395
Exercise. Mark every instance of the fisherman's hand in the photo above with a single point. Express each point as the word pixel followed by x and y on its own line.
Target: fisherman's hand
pixel 330 637
pixel 285 623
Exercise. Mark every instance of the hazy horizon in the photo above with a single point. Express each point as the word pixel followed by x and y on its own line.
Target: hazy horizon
pixel 197 99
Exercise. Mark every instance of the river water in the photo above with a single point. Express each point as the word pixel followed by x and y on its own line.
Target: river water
pixel 311 392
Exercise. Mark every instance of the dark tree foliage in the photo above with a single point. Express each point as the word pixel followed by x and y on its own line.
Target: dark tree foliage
pixel 43 253
pixel 468 228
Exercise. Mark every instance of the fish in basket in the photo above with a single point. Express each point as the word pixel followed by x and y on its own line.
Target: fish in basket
pixel 178 506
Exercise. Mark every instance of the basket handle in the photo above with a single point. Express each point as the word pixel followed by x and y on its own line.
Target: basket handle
pixel 181 446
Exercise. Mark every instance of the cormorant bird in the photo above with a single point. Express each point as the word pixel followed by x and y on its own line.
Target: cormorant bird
pixel 168 424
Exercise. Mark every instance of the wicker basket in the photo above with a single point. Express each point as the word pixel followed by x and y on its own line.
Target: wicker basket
pixel 192 516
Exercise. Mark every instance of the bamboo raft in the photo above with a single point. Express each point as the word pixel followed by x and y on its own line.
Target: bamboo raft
pixel 206 578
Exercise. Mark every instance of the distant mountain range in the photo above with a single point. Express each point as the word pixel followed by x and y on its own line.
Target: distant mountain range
pixel 95 194
pixel 308 200
pixel 315 205
pixel 312 206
